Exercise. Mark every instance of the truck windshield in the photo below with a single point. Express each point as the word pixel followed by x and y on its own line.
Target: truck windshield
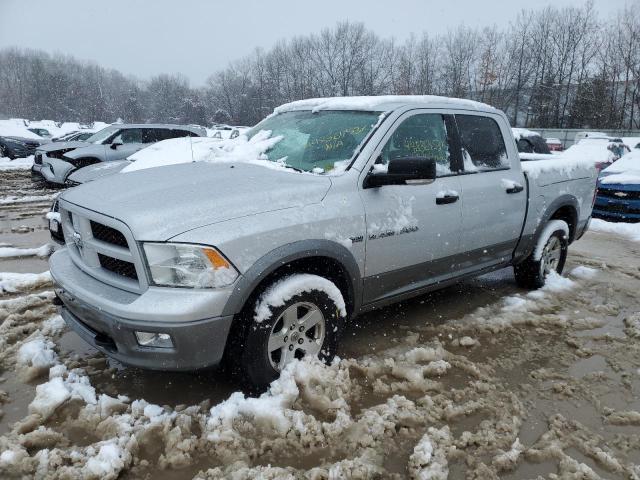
pixel 103 134
pixel 317 142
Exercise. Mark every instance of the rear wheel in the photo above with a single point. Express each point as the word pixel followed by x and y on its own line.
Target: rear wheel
pixel 294 318
pixel 549 256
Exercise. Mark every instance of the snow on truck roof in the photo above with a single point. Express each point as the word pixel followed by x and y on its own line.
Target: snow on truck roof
pixel 383 103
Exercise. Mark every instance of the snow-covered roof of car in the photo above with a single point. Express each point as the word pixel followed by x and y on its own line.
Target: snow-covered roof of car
pixel 518 133
pixel 383 103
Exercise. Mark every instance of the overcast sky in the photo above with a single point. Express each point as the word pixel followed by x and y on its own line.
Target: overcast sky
pixel 198 37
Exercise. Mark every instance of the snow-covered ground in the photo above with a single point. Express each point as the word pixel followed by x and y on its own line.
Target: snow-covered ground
pixel 503 384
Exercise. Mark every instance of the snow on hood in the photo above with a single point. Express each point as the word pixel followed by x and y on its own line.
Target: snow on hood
pixel 626 170
pixel 55 146
pixel 380 103
pixel 202 149
pixel 194 195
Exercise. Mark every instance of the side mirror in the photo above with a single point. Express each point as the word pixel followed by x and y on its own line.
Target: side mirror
pixel 403 170
pixel 115 145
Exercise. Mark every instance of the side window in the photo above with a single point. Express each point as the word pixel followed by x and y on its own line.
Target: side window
pixel 129 135
pixel 422 135
pixel 482 143
pixel 169 133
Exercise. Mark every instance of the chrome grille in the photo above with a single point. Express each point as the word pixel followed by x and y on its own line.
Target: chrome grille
pixel 103 248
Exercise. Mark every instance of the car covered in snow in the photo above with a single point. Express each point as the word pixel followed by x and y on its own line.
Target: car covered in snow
pixel 258 252
pixel 530 144
pixel 55 161
pixel 554 144
pixel 618 198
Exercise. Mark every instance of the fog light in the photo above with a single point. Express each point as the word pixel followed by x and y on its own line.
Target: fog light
pixel 154 339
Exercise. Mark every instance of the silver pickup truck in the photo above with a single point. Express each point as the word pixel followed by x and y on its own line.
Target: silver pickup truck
pixel 356 204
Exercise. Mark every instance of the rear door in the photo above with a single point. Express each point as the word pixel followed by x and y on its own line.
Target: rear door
pixel 413 231
pixel 493 192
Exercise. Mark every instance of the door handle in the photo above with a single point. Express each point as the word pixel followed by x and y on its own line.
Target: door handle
pixel 517 188
pixel 446 199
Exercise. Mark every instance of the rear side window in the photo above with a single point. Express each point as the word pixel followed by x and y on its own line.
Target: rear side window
pixel 482 143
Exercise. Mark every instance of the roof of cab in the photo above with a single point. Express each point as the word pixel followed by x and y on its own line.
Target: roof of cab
pixel 384 103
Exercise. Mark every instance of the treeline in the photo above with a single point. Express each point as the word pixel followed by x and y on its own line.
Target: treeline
pixel 551 67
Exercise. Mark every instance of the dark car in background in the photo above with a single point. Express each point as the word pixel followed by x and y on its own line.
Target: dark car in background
pixel 18 147
pixel 531 145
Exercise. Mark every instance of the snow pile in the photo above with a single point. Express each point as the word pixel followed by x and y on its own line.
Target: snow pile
pixel 582 156
pixel 584 273
pixel 191 149
pixel 629 230
pixel 288 287
pixel 17 164
pixel 429 458
pixel 624 171
pixel 10 129
pixel 61 387
pixel 508 460
pixel 21 282
pixel 42 252
pixel 36 357
pixel 13 200
pixel 108 462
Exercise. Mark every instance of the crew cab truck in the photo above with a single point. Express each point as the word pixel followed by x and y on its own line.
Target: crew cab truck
pixel 356 203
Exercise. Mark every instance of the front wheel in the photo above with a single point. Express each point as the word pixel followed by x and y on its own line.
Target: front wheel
pixel 549 256
pixel 299 316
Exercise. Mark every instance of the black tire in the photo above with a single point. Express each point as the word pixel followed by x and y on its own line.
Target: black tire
pixel 532 273
pixel 248 356
pixel 5 153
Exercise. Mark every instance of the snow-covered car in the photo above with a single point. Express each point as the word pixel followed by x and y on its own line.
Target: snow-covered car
pixel 531 145
pixel 55 161
pixel 554 144
pixel 584 135
pixel 329 208
pixel 16 141
pixel 618 197
pixel 597 150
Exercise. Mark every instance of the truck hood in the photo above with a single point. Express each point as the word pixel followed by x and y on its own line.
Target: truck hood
pixel 54 146
pixel 160 203
pixel 97 170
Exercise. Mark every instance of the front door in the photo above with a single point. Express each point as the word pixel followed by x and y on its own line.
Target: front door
pixel 413 231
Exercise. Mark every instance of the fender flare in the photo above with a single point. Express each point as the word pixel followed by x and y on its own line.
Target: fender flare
pixel 270 262
pixel 527 245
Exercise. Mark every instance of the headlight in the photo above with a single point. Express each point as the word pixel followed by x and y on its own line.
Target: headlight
pixel 185 265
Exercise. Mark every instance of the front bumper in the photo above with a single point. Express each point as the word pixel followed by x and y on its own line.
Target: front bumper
pixel 107 318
